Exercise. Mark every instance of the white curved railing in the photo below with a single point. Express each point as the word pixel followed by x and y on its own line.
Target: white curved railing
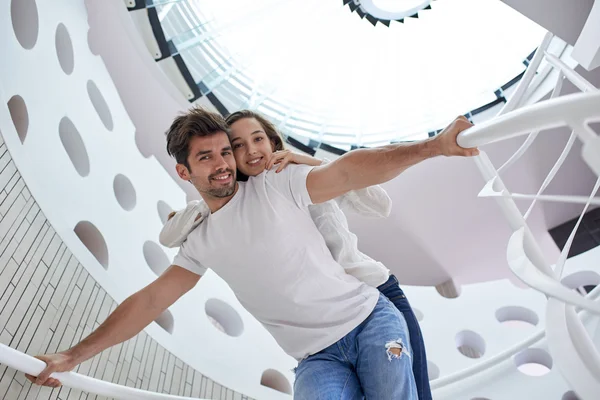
pixel 521 91
pixel 576 356
pixel 573 110
pixel 533 135
pixel 30 365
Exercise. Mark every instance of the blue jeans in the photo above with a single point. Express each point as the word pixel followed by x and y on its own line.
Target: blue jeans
pixel 373 361
pixel 392 291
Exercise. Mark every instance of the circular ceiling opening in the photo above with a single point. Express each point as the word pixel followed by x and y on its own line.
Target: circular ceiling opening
pixel 163 211
pixel 275 380
pixel 166 321
pixel 73 145
pixel 91 238
pixel 143 145
pixel 570 395
pixel 419 314
pixel 517 316
pixel 92 45
pixel 433 370
pixel 100 105
pixel 449 289
pixel 533 362
pixel 19 115
pixel 470 344
pixel 25 22
pixel 64 49
pixel 124 192
pixel 155 257
pixel 224 317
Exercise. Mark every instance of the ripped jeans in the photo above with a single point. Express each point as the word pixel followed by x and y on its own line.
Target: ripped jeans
pixel 394 293
pixel 373 361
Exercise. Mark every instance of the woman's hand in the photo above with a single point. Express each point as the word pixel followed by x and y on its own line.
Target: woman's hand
pixel 285 157
pixel 172 214
pixel 281 158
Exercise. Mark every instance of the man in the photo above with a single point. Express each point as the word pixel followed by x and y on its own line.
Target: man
pixel 350 342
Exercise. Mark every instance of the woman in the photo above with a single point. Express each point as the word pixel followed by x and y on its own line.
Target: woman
pixel 258 149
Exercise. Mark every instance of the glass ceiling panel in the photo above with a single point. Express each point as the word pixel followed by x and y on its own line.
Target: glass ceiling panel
pixel 317 62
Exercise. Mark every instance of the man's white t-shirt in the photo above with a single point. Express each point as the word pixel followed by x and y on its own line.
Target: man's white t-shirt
pixel 265 245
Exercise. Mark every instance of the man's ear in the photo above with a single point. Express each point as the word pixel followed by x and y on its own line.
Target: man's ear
pixel 183 172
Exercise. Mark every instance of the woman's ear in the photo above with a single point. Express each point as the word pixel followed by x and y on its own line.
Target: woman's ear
pixel 273 145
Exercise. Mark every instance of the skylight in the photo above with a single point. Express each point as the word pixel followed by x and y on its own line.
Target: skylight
pixel 314 61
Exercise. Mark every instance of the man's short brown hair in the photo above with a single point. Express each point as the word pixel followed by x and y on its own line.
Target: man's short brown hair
pixel 196 122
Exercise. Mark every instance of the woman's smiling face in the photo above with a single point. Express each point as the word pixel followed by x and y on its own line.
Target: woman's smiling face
pixel 251 146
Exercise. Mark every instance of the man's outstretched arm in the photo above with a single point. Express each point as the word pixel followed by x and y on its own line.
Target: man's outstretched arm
pixel 366 167
pixel 126 321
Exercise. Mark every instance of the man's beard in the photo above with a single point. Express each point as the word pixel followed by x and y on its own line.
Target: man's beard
pixel 219 192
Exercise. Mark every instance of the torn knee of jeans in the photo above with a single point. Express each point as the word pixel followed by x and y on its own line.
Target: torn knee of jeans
pixel 395 349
